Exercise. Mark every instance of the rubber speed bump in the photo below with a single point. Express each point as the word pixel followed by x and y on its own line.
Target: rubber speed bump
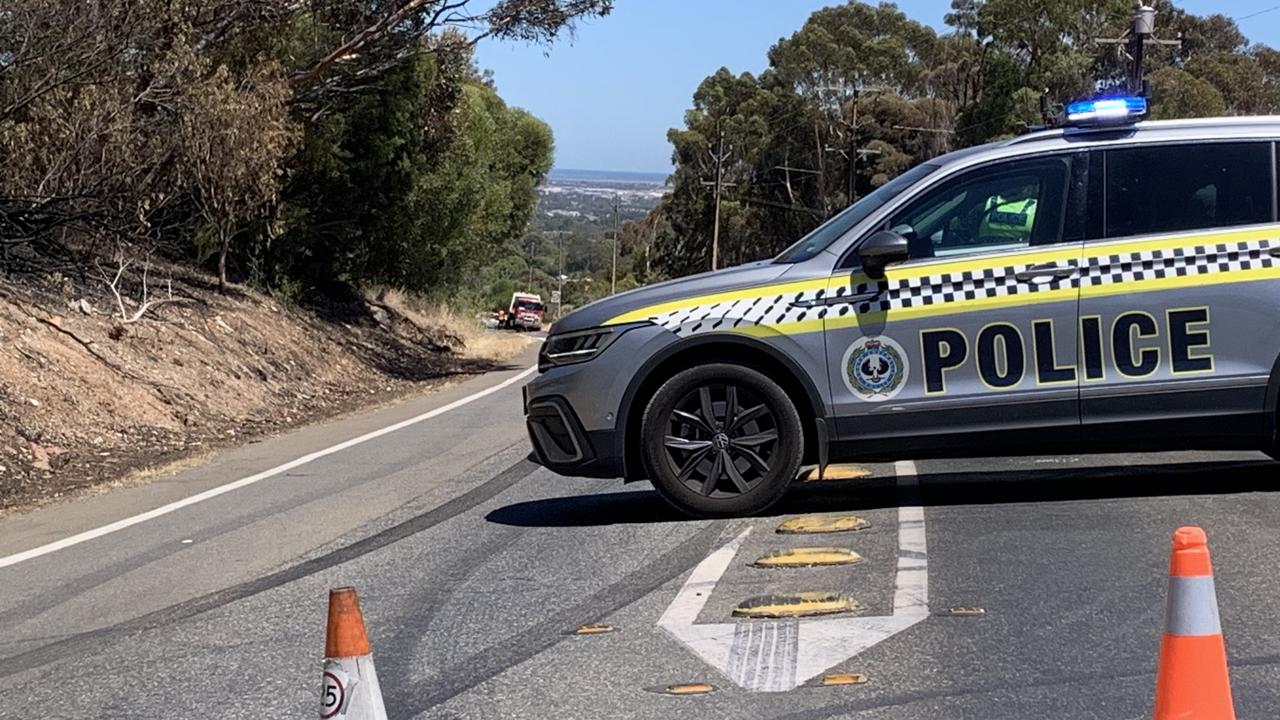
pixel 838 472
pixel 802 604
pixel 816 524
pixel 842 679
pixel 689 689
pixel 807 557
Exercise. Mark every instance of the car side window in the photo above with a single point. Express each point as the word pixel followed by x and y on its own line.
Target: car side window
pixel 1004 206
pixel 1174 188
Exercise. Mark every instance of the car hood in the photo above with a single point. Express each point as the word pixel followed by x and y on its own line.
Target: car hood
pixel 601 311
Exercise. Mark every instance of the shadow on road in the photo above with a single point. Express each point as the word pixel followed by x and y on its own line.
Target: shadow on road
pixel 936 489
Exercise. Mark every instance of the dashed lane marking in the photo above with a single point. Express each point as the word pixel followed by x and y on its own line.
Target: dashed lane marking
pixel 246 481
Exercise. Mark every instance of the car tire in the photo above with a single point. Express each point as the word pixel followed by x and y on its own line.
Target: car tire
pixel 721 440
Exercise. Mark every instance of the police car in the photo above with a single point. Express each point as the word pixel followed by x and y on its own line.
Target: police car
pixel 1108 285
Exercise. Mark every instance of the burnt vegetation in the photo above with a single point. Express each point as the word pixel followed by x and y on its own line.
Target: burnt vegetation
pixel 306 148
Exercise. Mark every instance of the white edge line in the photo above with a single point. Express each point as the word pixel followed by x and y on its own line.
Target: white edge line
pixel 246 481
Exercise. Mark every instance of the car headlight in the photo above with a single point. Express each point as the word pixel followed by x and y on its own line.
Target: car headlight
pixel 580 346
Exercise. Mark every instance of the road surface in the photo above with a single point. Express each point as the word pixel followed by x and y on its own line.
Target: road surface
pixel 474 566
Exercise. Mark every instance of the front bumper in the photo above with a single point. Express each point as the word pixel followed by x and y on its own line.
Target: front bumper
pixel 575 413
pixel 562 445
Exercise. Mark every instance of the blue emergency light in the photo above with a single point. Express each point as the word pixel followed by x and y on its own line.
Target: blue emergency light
pixel 1106 111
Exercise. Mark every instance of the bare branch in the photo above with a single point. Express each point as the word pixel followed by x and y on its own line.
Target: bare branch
pixel 147 303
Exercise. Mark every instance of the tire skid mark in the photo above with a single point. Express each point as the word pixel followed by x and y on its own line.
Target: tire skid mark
pixel 95 640
pixel 40 604
pixel 398 652
pixel 416 698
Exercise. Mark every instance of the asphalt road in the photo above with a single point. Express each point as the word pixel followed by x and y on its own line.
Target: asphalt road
pixel 474 566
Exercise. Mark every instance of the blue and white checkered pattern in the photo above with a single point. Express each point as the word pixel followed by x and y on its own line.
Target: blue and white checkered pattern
pixel 958 287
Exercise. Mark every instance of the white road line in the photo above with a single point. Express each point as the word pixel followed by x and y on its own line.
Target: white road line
pixel 246 481
pixel 911 589
pixel 776 656
pixel 695 592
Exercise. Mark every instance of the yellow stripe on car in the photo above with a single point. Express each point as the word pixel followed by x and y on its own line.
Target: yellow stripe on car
pixel 913 290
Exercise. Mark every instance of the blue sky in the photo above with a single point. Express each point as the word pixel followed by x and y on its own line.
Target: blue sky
pixel 611 93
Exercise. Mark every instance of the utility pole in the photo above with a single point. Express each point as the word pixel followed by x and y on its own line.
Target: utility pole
pixel 719 157
pixel 1144 26
pixel 530 260
pixel 855 151
pixel 1140 34
pixel 648 247
pixel 560 276
pixel 613 277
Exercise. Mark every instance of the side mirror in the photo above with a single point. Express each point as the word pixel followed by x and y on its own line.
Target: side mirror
pixel 880 250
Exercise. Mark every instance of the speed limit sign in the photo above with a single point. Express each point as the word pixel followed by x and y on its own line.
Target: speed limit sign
pixel 335 693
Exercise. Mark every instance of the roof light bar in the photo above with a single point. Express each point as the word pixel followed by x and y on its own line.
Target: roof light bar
pixel 1105 111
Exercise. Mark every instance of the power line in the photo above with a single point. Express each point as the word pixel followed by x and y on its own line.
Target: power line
pixel 939 131
pixel 1273 8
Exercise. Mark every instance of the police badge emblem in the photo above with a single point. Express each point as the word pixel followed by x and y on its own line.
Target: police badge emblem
pixel 875 369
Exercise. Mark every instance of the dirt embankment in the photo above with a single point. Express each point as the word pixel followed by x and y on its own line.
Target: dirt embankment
pixel 87 398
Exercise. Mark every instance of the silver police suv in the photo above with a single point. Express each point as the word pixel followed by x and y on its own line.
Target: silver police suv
pixel 1114 286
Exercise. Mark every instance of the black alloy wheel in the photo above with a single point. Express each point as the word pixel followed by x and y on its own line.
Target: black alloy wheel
pixel 722 440
pixel 720 437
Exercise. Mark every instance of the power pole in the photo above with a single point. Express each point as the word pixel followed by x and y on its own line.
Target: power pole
pixel 719 157
pixel 648 247
pixel 855 151
pixel 560 277
pixel 530 260
pixel 1140 34
pixel 613 278
pixel 1144 26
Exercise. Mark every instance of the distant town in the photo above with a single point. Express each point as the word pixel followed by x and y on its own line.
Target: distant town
pixel 588 195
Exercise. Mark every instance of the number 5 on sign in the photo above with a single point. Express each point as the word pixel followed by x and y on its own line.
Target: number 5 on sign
pixel 335 693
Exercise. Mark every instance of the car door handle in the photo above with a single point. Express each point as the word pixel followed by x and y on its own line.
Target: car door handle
pixel 1274 252
pixel 833 300
pixel 1048 270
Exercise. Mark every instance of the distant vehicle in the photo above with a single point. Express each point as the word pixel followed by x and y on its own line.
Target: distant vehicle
pixel 525 312
pixel 1106 286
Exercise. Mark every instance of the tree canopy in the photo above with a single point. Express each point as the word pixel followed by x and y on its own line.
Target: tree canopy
pixel 862 92
pixel 306 145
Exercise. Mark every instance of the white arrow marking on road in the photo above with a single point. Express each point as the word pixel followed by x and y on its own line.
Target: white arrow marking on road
pixel 776 656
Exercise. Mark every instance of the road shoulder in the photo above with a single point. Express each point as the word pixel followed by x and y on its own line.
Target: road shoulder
pixel 50 523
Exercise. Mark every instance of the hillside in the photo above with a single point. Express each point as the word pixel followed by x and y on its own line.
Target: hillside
pixel 87 398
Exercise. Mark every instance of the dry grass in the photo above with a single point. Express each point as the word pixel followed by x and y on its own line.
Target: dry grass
pixel 469 335
pixel 88 402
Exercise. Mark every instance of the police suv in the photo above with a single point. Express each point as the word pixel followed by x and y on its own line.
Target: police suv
pixel 1108 285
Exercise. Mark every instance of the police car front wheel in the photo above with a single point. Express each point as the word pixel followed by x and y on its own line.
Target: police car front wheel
pixel 722 440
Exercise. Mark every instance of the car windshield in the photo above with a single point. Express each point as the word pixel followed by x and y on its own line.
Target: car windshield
pixel 529 305
pixel 828 232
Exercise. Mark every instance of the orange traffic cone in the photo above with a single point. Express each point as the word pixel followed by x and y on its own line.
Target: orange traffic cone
pixel 1192 680
pixel 350 690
